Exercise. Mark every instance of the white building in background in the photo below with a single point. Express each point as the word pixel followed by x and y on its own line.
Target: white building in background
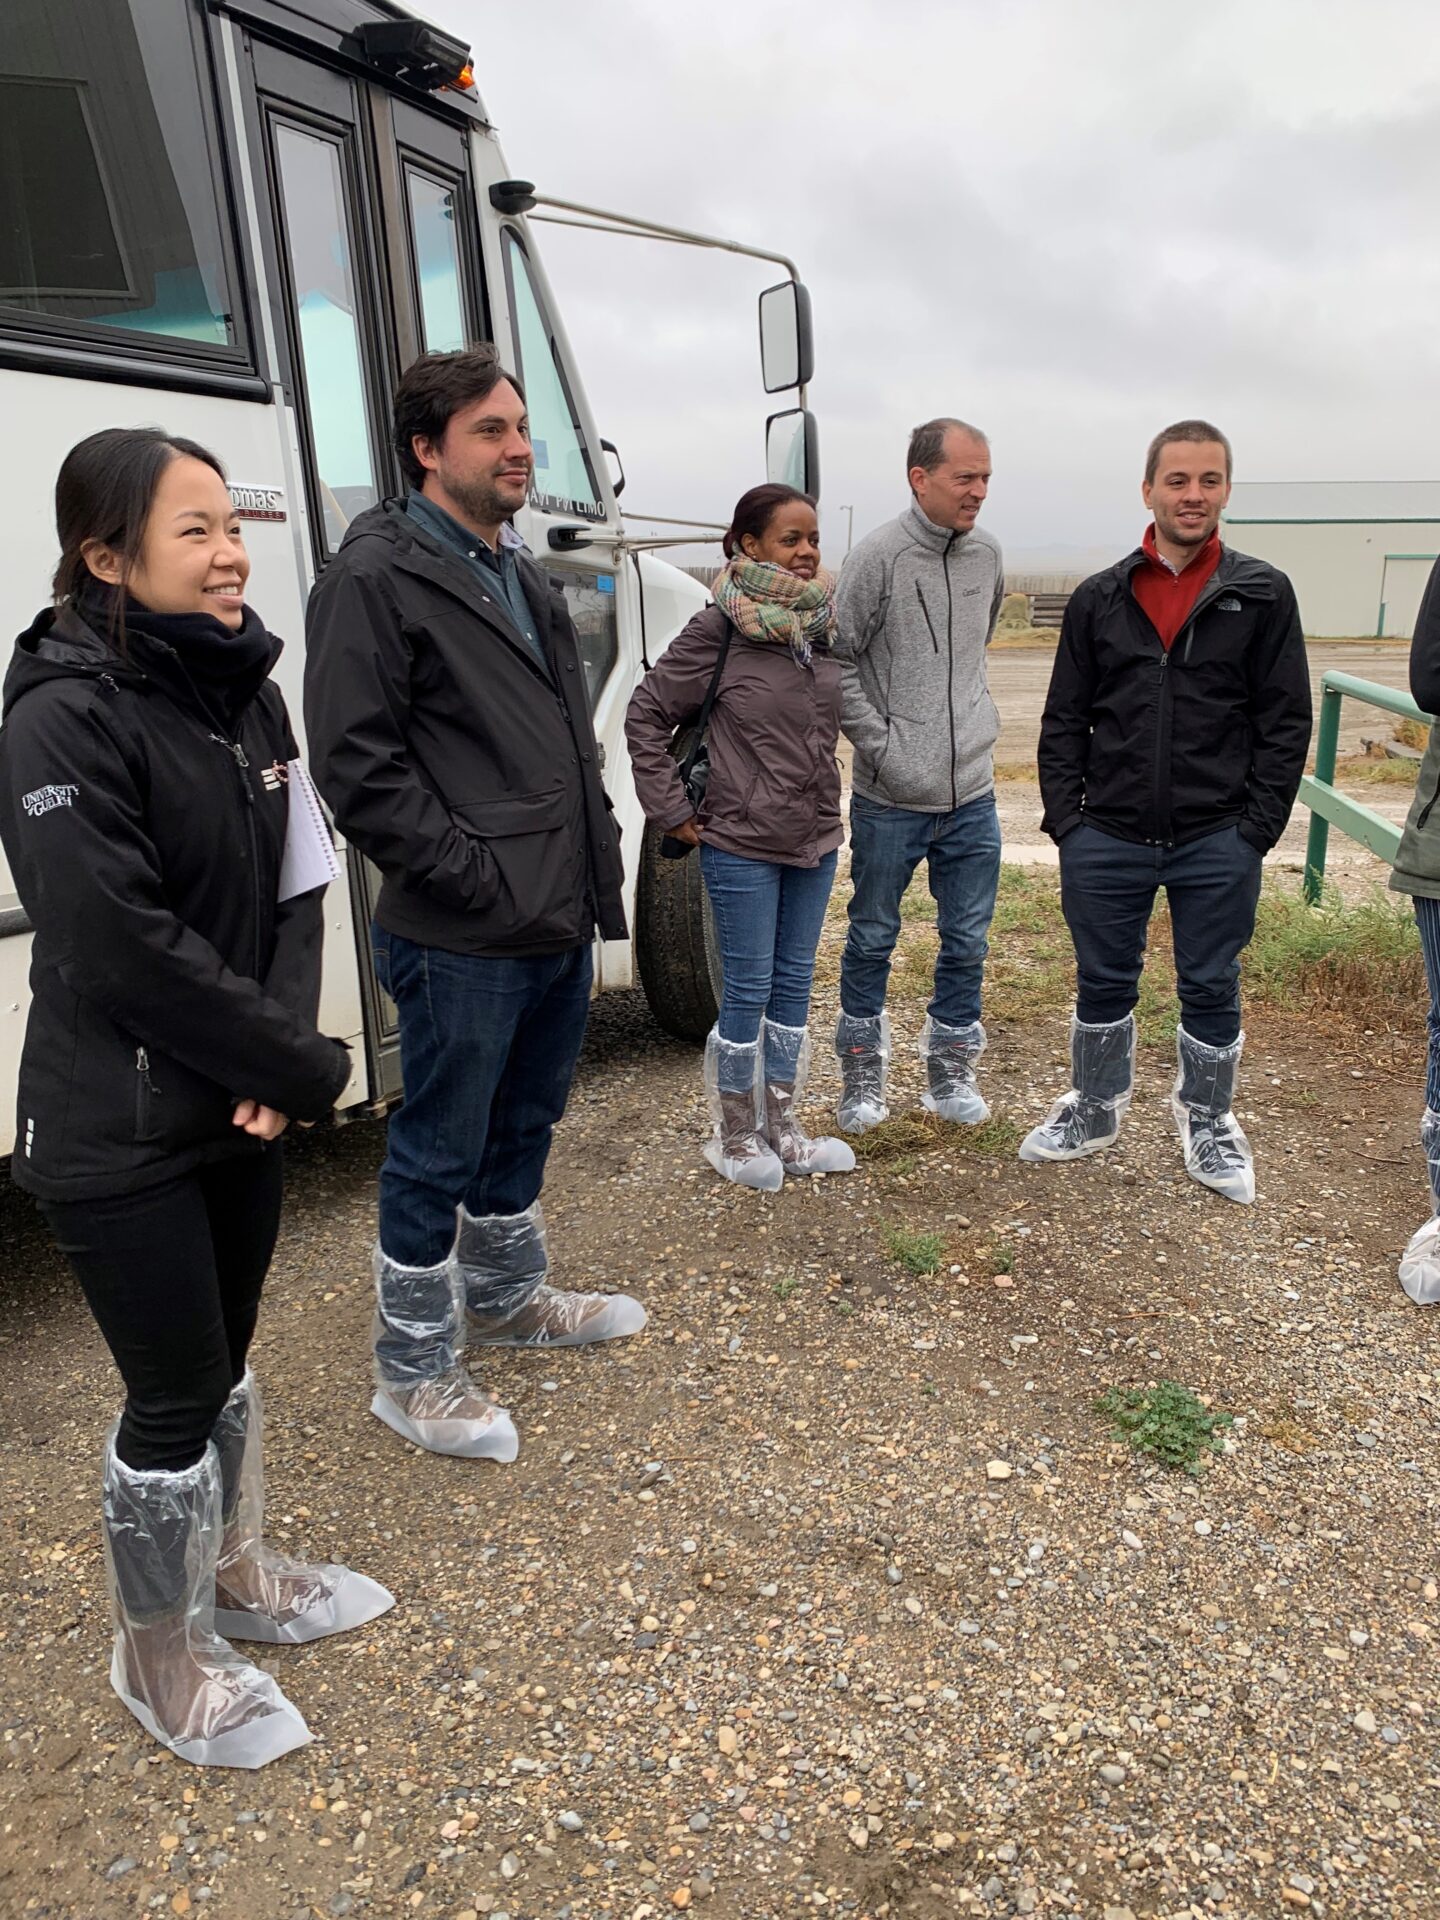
pixel 1358 551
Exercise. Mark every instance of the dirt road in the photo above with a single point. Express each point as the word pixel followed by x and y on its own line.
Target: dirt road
pixel 830 1594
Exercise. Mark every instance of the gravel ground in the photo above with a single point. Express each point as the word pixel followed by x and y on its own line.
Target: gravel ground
pixel 830 1593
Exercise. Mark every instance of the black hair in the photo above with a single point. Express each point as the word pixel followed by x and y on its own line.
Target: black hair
pixel 754 511
pixel 432 391
pixel 104 492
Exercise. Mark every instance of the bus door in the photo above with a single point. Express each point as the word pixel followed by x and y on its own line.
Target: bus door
pixel 373 236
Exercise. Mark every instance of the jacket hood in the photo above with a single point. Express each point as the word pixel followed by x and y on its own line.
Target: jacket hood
pixel 60 645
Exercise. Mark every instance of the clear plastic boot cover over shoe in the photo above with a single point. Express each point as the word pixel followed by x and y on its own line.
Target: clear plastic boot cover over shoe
pixel 503 1260
pixel 787 1074
pixel 260 1593
pixel 1217 1154
pixel 862 1046
pixel 738 1149
pixel 1102 1073
pixel 186 1685
pixel 1420 1262
pixel 422 1390
pixel 951 1055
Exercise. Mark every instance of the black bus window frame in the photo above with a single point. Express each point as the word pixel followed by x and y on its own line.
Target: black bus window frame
pixel 133 348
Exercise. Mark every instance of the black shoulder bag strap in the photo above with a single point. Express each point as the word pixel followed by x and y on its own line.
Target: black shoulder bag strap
pixel 702 723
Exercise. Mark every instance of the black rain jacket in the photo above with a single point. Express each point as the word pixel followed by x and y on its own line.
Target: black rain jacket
pixel 465 771
pixel 1161 748
pixel 167 983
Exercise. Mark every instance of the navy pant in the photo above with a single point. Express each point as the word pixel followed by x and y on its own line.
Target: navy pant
pixel 1427 918
pixel 173 1275
pixel 1107 890
pixel 962 852
pixel 487 1053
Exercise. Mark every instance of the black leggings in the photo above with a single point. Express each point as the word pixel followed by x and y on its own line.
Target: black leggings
pixel 173 1276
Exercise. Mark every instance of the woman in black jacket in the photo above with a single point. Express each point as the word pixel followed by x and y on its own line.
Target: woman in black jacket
pixel 143 808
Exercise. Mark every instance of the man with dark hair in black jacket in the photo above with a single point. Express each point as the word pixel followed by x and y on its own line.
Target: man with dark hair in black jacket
pixel 1171 748
pixel 450 733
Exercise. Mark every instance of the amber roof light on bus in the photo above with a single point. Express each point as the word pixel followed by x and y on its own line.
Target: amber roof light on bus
pixel 411 50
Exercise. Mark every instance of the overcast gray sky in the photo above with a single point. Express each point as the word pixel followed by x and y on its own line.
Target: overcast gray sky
pixel 1067 222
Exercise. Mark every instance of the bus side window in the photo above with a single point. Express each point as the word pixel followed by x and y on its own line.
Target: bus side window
pixel 320 256
pixel 437 263
pixel 564 478
pixel 111 215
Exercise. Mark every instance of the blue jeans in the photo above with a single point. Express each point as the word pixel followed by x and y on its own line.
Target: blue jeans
pixel 487 1052
pixel 1427 918
pixel 769 919
pixel 1108 888
pixel 962 852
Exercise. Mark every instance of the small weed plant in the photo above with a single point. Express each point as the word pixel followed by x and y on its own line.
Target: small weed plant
pixel 1002 1257
pixel 919 1253
pixel 1167 1422
pixel 786 1285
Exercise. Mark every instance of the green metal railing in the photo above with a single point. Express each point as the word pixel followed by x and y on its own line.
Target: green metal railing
pixel 1317 790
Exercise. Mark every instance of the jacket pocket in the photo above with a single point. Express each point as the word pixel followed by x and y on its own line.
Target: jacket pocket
pixel 536 843
pixel 915 763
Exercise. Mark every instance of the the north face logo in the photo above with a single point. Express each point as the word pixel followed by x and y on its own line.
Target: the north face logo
pixel 1228 605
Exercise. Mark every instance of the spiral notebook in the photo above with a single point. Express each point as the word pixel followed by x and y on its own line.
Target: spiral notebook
pixel 309 860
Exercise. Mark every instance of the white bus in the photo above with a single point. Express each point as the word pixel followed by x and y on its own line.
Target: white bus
pixel 241 219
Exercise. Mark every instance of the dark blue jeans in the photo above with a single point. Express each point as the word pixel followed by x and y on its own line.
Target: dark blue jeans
pixel 1427 918
pixel 768 919
pixel 487 1051
pixel 962 851
pixel 1108 888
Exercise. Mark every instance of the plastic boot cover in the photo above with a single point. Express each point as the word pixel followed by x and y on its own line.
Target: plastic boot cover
pixel 183 1683
pixel 1420 1263
pixel 503 1260
pixel 1102 1071
pixel 951 1055
pixel 787 1074
pixel 862 1044
pixel 1217 1154
pixel 738 1150
pixel 261 1594
pixel 421 1389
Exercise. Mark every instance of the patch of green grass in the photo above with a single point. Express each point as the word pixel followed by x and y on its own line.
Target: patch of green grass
pixel 845 1308
pixel 786 1285
pixel 998 1135
pixel 919 1253
pixel 1166 1422
pixel 1027 901
pixel 1363 959
pixel 1002 1257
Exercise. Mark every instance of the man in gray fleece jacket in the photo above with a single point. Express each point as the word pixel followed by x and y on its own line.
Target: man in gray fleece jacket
pixel 917 604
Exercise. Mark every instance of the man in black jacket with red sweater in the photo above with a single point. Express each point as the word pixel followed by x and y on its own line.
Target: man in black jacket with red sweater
pixel 449 731
pixel 1171 749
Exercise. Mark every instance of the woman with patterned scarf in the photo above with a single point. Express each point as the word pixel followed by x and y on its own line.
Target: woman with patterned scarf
pixel 768 827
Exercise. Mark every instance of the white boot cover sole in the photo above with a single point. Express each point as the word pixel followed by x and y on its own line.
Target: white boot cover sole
pixel 461 1439
pixel 620 1317
pixel 1420 1265
pixel 762 1171
pixel 253 1745
pixel 355 1601
pixel 967 1109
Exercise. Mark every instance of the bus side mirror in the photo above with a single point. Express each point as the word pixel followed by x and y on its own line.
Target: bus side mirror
pixel 792 451
pixel 787 343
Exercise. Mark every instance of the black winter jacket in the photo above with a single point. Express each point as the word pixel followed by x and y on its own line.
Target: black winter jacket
pixel 1161 748
pixel 448 755
pixel 167 983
